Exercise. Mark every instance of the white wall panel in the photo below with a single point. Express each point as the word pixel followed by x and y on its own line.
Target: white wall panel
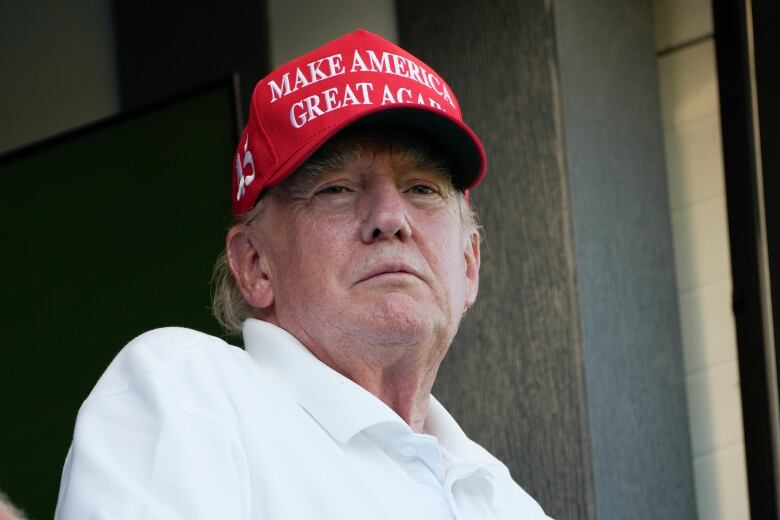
pixel 701 244
pixel 709 334
pixel 695 170
pixel 689 89
pixel 691 119
pixel 679 21
pixel 721 488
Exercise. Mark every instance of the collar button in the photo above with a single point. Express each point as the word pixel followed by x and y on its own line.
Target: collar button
pixel 407 450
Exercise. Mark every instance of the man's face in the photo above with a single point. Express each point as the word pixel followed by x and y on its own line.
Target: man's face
pixel 373 252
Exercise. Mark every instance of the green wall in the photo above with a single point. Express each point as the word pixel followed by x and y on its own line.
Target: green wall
pixel 109 231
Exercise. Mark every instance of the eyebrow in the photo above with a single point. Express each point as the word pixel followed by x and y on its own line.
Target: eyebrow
pixel 303 180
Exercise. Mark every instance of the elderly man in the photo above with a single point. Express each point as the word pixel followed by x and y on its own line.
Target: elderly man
pixel 353 257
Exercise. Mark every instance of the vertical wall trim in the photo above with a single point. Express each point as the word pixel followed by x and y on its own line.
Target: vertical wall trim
pixel 737 110
pixel 764 276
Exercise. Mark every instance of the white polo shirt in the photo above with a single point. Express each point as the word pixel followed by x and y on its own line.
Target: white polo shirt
pixel 183 425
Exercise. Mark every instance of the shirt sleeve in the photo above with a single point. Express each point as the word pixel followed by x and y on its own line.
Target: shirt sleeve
pixel 140 451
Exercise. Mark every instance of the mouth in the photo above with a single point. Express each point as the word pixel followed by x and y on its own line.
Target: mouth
pixel 394 269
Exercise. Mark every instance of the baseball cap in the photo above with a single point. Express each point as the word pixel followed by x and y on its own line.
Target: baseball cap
pixel 359 78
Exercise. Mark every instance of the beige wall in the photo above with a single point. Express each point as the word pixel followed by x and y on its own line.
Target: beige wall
pixel 300 26
pixel 690 111
pixel 59 65
pixel 58 68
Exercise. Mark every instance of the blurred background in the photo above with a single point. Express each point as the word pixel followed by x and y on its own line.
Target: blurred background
pixel 621 357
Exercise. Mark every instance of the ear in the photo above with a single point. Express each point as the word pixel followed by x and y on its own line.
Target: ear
pixel 471 253
pixel 249 265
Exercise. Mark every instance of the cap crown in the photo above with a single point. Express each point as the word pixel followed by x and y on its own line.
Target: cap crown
pixel 300 105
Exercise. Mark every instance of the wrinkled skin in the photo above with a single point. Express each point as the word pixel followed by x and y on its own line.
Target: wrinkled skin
pixel 368 266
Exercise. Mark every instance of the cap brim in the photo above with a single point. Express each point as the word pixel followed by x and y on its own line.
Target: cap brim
pixel 455 140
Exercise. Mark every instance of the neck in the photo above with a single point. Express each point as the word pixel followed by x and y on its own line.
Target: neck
pixel 403 384
pixel 400 374
pixel 406 391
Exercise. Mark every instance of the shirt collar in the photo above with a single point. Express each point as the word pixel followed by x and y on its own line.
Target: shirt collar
pixel 463 457
pixel 454 441
pixel 341 406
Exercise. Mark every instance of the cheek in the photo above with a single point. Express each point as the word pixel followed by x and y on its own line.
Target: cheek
pixel 456 273
pixel 310 263
pixel 450 262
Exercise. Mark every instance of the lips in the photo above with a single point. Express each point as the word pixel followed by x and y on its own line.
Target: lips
pixel 391 267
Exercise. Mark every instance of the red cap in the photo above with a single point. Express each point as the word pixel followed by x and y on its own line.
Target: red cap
pixel 356 79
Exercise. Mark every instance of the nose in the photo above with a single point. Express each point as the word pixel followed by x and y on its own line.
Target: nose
pixel 385 214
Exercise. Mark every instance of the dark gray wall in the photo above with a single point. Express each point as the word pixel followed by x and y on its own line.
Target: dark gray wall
pixel 514 377
pixel 569 368
pixel 624 260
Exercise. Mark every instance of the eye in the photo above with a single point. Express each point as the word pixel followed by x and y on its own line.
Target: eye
pixel 421 189
pixel 332 190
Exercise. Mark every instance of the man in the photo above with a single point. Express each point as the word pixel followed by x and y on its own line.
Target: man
pixel 353 257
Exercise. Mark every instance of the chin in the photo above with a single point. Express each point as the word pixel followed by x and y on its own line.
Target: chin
pixel 399 319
